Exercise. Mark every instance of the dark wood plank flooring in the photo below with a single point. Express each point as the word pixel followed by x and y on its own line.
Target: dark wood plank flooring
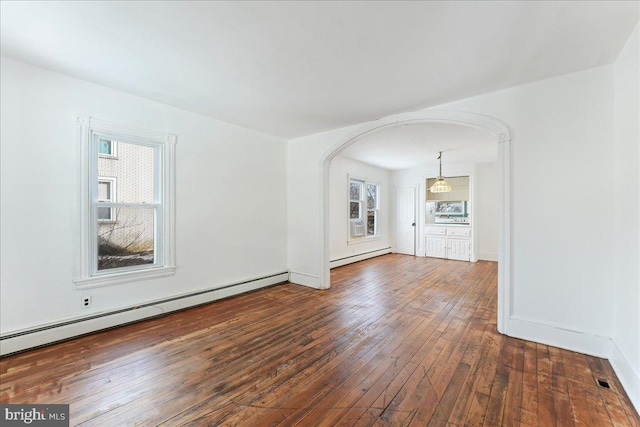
pixel 396 341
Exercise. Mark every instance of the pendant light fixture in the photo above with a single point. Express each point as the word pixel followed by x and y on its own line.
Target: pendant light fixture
pixel 440 186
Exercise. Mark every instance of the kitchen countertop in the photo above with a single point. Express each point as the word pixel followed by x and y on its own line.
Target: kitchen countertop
pixel 447 225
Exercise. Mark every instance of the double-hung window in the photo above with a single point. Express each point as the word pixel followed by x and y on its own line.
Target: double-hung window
pixel 126 204
pixel 364 209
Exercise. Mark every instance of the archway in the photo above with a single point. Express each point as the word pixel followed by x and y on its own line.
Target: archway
pixel 503 138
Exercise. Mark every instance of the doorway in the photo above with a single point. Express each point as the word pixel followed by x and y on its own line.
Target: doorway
pixel 503 138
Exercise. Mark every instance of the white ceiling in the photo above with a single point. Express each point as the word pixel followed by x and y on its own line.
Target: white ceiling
pixel 295 68
pixel 418 145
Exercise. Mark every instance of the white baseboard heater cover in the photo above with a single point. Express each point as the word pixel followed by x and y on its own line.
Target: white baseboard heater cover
pixel 49 334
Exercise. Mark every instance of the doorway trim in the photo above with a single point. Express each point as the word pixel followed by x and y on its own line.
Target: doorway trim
pixel 503 138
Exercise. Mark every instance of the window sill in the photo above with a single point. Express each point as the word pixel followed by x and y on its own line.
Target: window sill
pixel 124 277
pixel 363 240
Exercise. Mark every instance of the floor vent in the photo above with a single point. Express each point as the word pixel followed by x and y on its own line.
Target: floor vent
pixel 603 383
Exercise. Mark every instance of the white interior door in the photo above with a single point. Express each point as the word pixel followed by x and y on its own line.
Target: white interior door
pixel 406 220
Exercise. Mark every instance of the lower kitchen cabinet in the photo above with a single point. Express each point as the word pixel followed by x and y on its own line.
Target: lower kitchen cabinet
pixel 459 249
pixel 436 247
pixel 448 242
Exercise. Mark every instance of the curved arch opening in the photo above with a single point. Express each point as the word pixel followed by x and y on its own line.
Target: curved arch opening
pixel 503 138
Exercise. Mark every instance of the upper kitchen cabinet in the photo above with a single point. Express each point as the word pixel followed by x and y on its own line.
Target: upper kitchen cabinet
pixel 459 189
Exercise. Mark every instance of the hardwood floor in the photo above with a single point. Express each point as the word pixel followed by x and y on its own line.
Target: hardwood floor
pixel 396 341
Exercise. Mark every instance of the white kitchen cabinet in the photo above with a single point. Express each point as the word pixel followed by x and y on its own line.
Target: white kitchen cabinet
pixel 458 249
pixel 448 242
pixel 436 247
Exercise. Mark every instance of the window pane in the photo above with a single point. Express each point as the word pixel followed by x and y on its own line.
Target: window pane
pixel 104 190
pixel 134 171
pixel 371 223
pixel 127 239
pixel 104 213
pixel 355 190
pixel 372 195
pixel 354 210
pixel 105 146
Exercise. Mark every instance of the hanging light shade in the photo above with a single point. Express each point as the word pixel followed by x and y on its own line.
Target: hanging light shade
pixel 440 186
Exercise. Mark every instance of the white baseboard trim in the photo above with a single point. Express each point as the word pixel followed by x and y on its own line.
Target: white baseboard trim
pixel 556 336
pixel 627 374
pixel 47 334
pixel 588 343
pixel 358 257
pixel 37 338
pixel 304 279
pixel 488 256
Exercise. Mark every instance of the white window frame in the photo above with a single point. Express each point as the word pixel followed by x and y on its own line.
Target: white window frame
pixel 364 209
pixel 114 151
pixel 87 274
pixel 113 188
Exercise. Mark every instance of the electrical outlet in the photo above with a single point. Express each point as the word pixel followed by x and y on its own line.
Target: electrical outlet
pixel 86 302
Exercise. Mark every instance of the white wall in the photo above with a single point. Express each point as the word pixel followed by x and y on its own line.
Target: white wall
pixel 626 180
pixel 231 198
pixel 304 156
pixel 562 247
pixel 561 240
pixel 486 211
pixel 341 168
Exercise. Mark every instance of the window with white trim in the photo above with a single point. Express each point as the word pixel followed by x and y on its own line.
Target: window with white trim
pixel 128 234
pixel 364 209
